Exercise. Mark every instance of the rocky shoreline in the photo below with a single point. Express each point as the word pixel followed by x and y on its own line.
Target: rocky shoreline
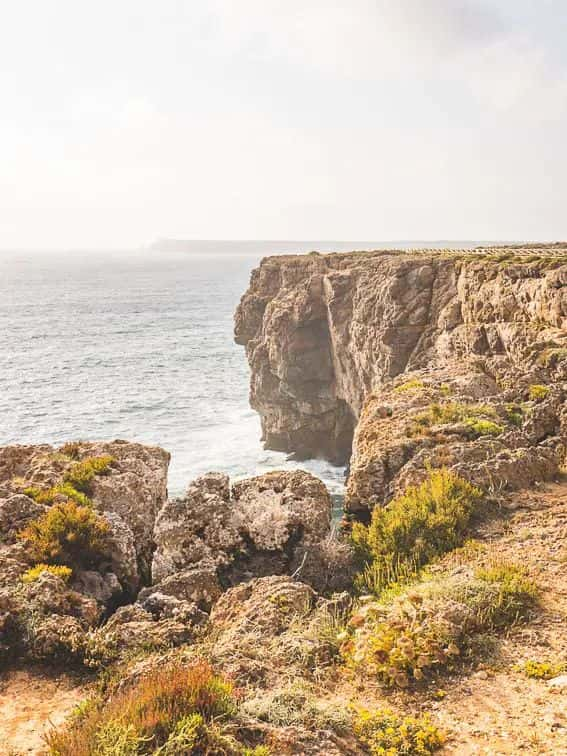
pixel 421 369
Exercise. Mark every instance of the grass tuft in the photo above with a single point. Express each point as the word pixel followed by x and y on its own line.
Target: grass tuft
pixel 171 710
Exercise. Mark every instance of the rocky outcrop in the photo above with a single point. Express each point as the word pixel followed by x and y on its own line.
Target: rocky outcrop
pixel 218 535
pixel 129 494
pixel 330 338
pixel 46 615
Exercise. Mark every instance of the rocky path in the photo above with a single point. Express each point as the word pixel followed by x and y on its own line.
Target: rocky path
pixel 30 703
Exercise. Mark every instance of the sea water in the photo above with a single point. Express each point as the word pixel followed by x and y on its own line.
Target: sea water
pixel 138 345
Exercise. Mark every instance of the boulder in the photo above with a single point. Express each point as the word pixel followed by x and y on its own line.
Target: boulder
pixel 217 536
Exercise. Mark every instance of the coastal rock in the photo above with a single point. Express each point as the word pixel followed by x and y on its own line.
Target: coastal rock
pixel 131 629
pixel 268 605
pixel 15 512
pixel 133 488
pixel 198 584
pixel 329 338
pixel 217 536
pixel 196 527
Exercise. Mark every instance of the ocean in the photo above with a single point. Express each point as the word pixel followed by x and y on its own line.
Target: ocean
pixel 139 345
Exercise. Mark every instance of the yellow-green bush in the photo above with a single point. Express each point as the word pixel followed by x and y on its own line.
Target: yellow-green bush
pixel 172 710
pixel 479 418
pixel 541 670
pixel 430 624
pixel 515 414
pixel 67 534
pixel 425 521
pixel 538 392
pixel 481 427
pixel 33 574
pixel 81 474
pixel 59 492
pixel 385 733
pixel 414 385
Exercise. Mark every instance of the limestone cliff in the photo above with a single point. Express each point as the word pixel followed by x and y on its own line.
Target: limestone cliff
pixel 325 334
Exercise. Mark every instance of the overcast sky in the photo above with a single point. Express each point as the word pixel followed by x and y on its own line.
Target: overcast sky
pixel 126 120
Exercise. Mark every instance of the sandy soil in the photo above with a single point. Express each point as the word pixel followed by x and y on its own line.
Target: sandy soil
pixel 498 710
pixel 31 701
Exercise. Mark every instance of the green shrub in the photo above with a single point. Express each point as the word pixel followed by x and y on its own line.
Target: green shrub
pixel 515 591
pixel 414 385
pixel 434 622
pixel 67 534
pixel 33 574
pixel 171 710
pixel 81 474
pixel 538 392
pixel 481 427
pixel 117 739
pixel 472 415
pixel 425 521
pixel 541 670
pixel 60 491
pixel 386 734
pixel 515 414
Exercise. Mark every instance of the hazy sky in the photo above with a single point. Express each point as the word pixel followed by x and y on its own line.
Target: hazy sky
pixel 125 120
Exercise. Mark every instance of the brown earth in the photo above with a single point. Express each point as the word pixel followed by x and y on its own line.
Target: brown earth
pixel 31 702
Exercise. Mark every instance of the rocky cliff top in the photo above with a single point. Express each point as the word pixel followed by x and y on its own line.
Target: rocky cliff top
pixel 324 333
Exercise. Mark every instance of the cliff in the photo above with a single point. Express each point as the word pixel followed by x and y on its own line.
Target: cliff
pixel 326 335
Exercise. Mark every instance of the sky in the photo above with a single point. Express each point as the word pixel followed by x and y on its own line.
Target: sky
pixel 122 121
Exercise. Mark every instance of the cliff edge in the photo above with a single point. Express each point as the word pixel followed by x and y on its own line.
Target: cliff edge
pixel 332 339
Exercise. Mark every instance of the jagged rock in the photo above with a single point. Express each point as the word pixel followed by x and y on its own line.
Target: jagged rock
pixel 198 584
pixel 131 629
pixel 162 606
pixel 272 508
pixel 56 638
pixel 104 588
pixel 49 594
pixel 195 528
pixel 122 552
pixel 134 487
pixel 15 512
pixel 215 536
pixel 266 605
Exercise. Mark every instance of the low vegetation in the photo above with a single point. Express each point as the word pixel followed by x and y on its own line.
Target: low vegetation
pixel 172 710
pixel 429 625
pixel 75 484
pixel 67 534
pixel 34 573
pixel 478 419
pixel 425 521
pixel 81 474
pixel 538 392
pixel 385 733
pixel 414 385
pixel 541 670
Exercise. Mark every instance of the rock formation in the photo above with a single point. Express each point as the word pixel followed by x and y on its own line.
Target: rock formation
pixel 331 339
pixel 173 558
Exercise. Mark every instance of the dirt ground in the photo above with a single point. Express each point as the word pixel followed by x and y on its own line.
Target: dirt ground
pixel 498 710
pixel 31 701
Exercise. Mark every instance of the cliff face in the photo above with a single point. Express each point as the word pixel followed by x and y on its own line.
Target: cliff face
pixel 324 333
